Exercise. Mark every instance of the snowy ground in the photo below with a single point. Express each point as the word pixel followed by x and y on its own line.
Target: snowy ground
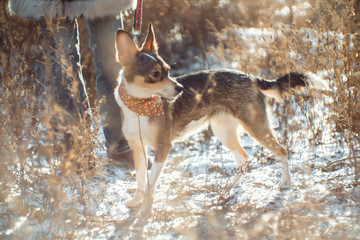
pixel 191 202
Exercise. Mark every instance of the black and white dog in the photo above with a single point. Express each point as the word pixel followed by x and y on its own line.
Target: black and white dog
pixel 159 109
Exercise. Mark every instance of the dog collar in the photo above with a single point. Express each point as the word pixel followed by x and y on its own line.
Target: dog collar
pixel 150 107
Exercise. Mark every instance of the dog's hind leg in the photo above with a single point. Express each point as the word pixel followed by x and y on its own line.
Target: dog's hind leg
pixel 140 162
pixel 260 130
pixel 225 127
pixel 161 154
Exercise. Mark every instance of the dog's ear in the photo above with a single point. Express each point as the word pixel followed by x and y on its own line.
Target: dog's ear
pixel 126 49
pixel 150 44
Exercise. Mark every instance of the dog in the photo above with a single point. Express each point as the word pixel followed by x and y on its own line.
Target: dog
pixel 158 109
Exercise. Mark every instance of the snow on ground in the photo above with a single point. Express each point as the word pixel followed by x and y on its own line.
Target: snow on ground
pixel 191 201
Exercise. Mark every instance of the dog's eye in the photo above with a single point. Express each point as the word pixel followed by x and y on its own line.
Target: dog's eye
pixel 155 74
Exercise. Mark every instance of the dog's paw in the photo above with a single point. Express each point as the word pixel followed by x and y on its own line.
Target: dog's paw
pixel 233 182
pixel 146 207
pixel 240 171
pixel 286 183
pixel 145 212
pixel 136 200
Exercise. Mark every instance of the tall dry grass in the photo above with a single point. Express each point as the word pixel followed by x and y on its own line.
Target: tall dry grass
pixel 41 178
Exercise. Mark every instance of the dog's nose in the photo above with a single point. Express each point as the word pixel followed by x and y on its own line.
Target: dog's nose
pixel 179 88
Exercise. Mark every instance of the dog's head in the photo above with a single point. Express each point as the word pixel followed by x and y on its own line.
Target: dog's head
pixel 144 70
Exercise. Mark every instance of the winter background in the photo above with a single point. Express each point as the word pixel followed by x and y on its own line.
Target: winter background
pixel 50 193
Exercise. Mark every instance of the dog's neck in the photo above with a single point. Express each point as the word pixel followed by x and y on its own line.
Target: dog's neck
pixel 150 107
pixel 132 91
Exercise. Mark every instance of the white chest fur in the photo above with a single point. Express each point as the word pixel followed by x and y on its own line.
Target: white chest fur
pixel 136 127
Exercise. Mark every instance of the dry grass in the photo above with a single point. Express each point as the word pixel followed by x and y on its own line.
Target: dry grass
pixel 42 180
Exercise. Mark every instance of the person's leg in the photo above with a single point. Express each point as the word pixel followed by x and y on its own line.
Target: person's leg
pixel 102 36
pixel 61 38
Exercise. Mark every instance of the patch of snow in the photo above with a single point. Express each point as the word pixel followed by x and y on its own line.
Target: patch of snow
pixel 283 12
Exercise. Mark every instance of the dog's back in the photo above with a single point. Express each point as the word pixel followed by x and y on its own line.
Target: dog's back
pixel 210 93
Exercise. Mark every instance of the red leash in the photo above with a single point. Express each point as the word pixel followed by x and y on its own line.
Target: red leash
pixel 138 17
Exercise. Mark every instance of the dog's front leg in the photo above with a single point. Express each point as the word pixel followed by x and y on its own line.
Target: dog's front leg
pixel 140 162
pixel 286 176
pixel 160 156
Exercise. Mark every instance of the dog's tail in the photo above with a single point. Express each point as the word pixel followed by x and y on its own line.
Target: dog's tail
pixel 283 86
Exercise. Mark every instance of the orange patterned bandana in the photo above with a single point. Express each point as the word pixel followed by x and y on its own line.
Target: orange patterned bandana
pixel 150 107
